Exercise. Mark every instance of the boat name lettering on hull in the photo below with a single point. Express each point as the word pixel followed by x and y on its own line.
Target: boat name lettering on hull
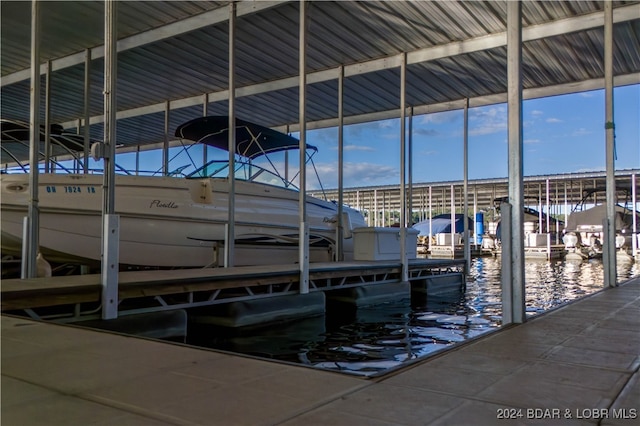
pixel 163 204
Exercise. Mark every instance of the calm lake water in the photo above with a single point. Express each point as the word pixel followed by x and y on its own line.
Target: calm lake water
pixel 368 341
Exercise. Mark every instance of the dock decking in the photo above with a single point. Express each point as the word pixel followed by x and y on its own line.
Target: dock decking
pixel 575 365
pixel 199 287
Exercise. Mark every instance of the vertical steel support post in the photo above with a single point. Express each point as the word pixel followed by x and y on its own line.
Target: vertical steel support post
pixel 230 233
pixel 47 118
pixel 33 213
pixel 76 161
pixel 506 273
pixel 513 252
pixel 539 206
pixel 303 243
pixel 375 207
pixel 110 222
pixel 634 203
pixel 24 266
pixel 430 217
pixel 452 207
pixel 137 160
pixel 205 112
pixel 340 228
pixel 410 170
pixel 403 171
pixel 566 203
pixel 465 189
pixel 475 212
pixel 165 146
pixel 609 257
pixel 286 160
pixel 87 109
pixel 548 208
pixel 557 210
pixel 385 208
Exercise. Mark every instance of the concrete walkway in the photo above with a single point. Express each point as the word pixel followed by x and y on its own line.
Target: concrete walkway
pixel 575 365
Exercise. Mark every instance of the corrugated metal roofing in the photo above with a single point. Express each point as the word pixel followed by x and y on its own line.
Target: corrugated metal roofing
pixel 455 51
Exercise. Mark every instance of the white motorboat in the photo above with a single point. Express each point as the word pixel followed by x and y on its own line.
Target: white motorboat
pixel 535 223
pixel 583 235
pixel 171 221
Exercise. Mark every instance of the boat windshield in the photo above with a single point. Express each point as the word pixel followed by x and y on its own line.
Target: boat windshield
pixel 243 171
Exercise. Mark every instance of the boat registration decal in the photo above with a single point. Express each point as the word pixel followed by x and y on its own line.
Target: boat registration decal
pixel 53 189
pixel 72 189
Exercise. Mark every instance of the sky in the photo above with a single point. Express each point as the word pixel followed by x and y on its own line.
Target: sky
pixel 561 134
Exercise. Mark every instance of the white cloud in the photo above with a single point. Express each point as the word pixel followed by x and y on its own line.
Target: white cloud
pixel 357 148
pixel 384 124
pixel 553 120
pixel 355 174
pixel 441 117
pixel 531 141
pixel 590 169
pixel 581 132
pixel 391 136
pixel 426 132
pixel 487 121
pixel 329 135
pixel 537 112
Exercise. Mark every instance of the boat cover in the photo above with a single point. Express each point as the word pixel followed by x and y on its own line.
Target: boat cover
pixel 252 140
pixel 596 215
pixel 441 224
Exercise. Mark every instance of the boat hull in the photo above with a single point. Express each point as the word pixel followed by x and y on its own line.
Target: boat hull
pixel 167 222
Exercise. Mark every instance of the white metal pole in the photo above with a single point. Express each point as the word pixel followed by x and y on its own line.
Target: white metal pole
pixel 452 208
pixel 340 228
pixel 33 213
pixel 87 109
pixel 76 161
pixel 165 148
pixel 566 204
pixel 430 216
pixel 634 201
pixel 111 228
pixel 548 208
pixel 410 169
pixel 465 185
pixel 475 212
pixel 205 112
pixel 540 223
pixel 609 257
pixel 403 172
pixel 47 118
pixel 376 219
pixel 229 246
pixel 137 160
pixel 304 226
pixel 513 257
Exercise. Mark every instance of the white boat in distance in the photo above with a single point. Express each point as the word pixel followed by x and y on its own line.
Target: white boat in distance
pixel 584 235
pixel 170 221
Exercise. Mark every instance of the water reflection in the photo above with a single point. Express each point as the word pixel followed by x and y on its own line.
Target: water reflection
pixel 369 340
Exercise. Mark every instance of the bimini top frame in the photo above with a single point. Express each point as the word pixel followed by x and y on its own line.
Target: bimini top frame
pixel 14 143
pixel 252 140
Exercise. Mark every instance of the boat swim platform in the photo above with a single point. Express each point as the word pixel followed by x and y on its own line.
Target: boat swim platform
pixel 160 290
pixel 577 364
